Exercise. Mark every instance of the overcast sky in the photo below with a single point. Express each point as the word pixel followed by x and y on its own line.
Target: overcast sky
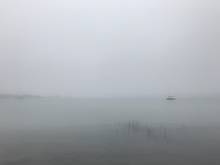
pixel 107 48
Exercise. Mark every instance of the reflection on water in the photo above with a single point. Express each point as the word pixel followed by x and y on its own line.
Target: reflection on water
pixel 109 131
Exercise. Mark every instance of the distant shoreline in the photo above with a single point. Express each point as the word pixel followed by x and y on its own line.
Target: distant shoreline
pixel 11 96
pixel 29 96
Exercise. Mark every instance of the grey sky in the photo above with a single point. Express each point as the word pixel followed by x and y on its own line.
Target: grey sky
pixel 110 47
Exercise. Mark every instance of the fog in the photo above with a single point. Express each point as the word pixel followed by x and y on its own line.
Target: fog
pixel 117 48
pixel 119 60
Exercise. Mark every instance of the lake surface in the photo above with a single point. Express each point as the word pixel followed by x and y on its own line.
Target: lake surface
pixel 56 131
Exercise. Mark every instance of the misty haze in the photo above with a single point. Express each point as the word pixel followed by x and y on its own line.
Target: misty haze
pixel 115 82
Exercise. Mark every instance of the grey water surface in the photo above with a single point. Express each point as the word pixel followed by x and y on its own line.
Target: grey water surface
pixel 66 131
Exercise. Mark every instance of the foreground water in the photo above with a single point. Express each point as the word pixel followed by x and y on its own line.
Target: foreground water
pixel 52 131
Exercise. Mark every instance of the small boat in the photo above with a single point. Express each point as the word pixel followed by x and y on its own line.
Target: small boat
pixel 170 98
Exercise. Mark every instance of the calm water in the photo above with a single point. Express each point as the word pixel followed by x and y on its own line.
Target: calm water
pixel 109 131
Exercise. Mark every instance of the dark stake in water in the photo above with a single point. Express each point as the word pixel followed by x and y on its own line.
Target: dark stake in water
pixel 52 131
